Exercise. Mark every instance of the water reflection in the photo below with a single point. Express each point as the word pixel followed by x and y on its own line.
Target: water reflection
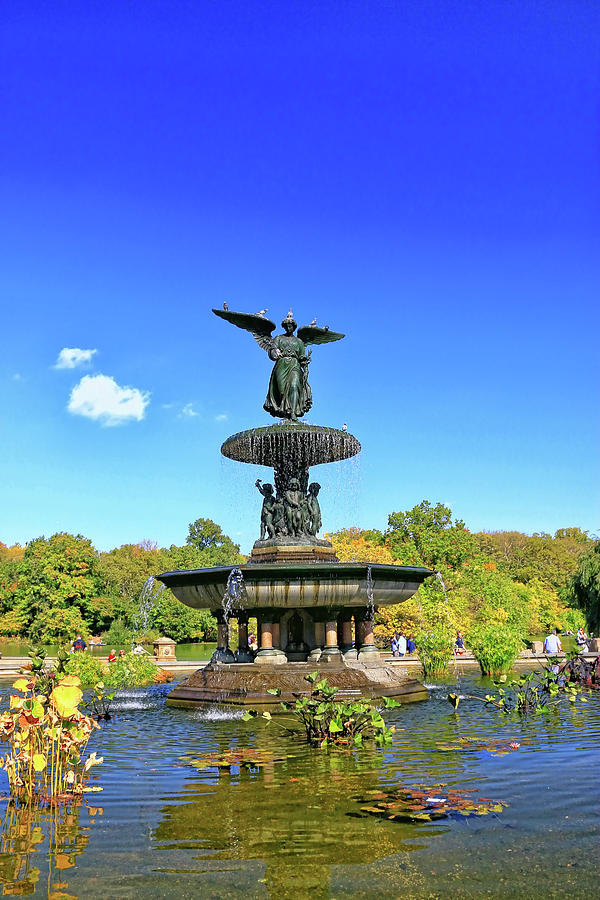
pixel 41 844
pixel 292 817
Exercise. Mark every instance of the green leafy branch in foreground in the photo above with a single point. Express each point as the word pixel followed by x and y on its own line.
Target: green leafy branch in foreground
pixel 326 721
pixel 536 692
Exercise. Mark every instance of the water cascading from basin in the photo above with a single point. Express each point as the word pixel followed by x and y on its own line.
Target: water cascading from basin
pixel 232 604
pixel 148 605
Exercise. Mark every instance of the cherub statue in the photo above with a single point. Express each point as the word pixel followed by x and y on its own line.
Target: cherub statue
pixel 289 395
pixel 267 526
pixel 294 500
pixel 314 510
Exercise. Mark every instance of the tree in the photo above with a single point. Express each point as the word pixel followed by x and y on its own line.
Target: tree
pixel 204 534
pixel 430 532
pixel 60 572
pixel 584 587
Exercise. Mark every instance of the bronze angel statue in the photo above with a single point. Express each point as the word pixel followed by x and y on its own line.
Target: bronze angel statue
pixel 289 395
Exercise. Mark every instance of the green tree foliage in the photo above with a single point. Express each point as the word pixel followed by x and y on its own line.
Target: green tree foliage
pixel 206 536
pixel 56 573
pixel 427 533
pixel 524 557
pixel 584 587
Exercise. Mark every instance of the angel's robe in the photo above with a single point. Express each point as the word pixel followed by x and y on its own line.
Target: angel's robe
pixel 289 395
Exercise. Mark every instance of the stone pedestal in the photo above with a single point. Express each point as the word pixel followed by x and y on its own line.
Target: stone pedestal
pixel 537 647
pixel 164 648
pixel 594 645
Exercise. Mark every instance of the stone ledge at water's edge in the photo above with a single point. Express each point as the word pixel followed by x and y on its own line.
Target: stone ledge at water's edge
pixel 243 685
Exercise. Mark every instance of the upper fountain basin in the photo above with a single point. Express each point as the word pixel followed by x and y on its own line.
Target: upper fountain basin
pixel 303 445
pixel 298 586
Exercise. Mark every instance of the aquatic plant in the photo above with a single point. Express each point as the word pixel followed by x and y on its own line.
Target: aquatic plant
pixel 46 736
pixel 434 646
pixel 420 803
pixel 535 692
pixel 97 702
pixel 495 647
pixel 327 721
pixel 238 758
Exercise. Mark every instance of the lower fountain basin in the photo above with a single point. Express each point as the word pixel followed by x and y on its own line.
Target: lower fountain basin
pixel 298 586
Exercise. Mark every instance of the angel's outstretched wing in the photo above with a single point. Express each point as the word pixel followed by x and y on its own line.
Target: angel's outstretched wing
pixel 260 328
pixel 311 334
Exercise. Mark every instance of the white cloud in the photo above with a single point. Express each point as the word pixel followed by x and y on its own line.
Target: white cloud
pixel 222 417
pixel 188 412
pixel 99 397
pixel 17 377
pixel 71 357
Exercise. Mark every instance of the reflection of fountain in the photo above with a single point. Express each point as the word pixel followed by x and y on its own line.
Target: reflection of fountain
pixel 304 599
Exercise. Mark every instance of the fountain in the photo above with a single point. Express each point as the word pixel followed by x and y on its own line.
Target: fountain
pixel 311 610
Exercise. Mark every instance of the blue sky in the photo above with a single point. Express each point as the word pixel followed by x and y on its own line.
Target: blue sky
pixel 421 176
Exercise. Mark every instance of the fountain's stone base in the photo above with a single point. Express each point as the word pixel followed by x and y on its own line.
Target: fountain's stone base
pixel 292 550
pixel 243 685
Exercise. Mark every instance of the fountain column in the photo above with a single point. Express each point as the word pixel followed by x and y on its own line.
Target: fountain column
pixel 319 623
pixel 348 649
pixel 331 651
pixel 243 654
pixel 269 654
pixel 222 654
pixel 367 648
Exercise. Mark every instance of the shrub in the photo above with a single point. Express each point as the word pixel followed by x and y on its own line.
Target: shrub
pixel 131 670
pixel 434 647
pixel 86 667
pixel 495 648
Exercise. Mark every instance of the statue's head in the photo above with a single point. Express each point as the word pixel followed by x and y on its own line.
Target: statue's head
pixel 294 484
pixel 289 324
pixel 314 488
pixel 268 488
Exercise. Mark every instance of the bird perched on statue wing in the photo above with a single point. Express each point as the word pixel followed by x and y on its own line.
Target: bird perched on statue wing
pixel 344 427
pixel 225 306
pixel 326 328
pixel 262 312
pixel 314 322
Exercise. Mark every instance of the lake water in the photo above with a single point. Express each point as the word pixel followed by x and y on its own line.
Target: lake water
pixel 196 651
pixel 297 827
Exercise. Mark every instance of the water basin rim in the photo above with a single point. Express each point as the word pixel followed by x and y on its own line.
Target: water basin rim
pixel 284 572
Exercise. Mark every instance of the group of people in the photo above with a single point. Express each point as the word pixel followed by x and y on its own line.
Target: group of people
pixel 402 645
pixel 80 646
